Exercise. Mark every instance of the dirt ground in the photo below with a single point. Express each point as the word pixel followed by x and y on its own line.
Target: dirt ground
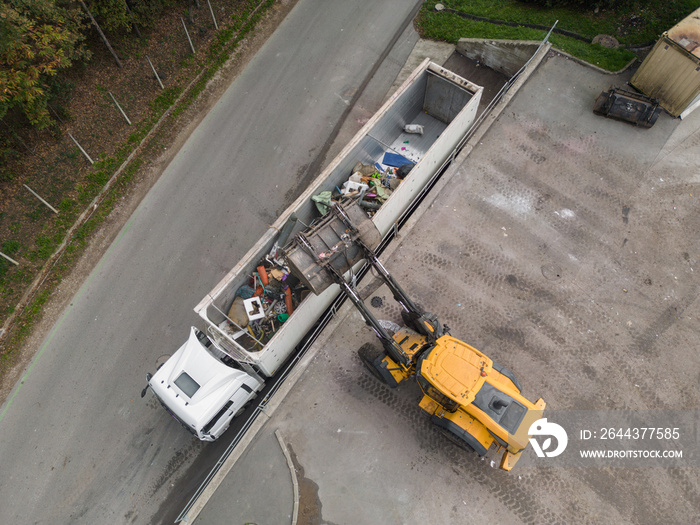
pixel 156 157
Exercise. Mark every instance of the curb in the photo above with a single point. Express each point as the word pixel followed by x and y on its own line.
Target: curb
pixel 293 472
pixel 594 67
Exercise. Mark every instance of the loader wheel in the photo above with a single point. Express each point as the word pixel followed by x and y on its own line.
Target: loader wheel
pixel 410 320
pixel 459 436
pixel 457 440
pixel 370 354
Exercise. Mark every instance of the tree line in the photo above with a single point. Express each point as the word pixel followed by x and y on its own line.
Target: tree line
pixel 39 38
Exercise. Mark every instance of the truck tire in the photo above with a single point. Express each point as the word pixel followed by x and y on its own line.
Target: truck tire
pixel 369 355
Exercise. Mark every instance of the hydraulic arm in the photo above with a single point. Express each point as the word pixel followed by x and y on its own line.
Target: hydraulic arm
pixel 422 322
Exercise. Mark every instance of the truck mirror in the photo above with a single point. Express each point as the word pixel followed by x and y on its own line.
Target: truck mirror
pixel 148 378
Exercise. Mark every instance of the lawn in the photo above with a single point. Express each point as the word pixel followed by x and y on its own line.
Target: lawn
pixel 633 28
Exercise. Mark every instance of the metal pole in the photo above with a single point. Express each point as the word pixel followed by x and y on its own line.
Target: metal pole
pixel 550 31
pixel 188 35
pixel 42 200
pixel 10 259
pixel 81 149
pixel 102 35
pixel 155 72
pixel 216 26
pixel 57 115
pixel 119 108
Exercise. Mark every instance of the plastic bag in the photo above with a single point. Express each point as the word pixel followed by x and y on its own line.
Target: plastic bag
pixel 413 128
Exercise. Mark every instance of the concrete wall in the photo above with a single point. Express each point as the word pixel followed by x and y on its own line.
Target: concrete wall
pixel 504 56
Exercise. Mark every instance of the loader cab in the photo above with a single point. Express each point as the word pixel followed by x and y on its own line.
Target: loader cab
pixel 474 398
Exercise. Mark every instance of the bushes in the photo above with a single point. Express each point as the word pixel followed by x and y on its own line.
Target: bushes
pixel 40 38
pixel 674 8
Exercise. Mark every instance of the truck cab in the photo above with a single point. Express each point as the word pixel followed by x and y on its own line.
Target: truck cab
pixel 202 387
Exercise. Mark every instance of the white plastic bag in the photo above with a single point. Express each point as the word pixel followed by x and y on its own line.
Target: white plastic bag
pixel 413 128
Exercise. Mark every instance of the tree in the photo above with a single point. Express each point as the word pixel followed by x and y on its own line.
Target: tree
pixel 112 15
pixel 118 16
pixel 40 38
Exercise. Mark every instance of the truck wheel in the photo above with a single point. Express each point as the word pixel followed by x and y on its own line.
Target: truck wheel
pixel 369 355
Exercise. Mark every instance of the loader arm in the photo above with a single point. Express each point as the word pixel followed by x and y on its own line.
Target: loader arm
pixel 423 322
pixel 391 347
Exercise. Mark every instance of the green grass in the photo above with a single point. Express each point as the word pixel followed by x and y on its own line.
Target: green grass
pixel 631 27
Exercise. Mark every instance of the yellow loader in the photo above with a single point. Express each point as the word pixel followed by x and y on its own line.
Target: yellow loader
pixel 475 401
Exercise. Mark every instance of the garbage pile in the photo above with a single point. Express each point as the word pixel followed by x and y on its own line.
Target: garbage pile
pixel 371 183
pixel 261 307
pixel 272 293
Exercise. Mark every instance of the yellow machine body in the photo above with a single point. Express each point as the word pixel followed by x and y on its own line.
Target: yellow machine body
pixel 465 395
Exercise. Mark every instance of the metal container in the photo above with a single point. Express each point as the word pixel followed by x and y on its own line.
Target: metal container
pixel 433 97
pixel 671 71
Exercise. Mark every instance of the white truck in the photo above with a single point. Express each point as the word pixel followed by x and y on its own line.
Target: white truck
pixel 213 376
pixel 199 385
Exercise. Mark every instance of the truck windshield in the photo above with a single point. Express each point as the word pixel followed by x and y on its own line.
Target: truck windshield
pixel 188 385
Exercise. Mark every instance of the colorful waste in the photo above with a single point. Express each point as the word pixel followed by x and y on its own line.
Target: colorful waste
pixel 261 306
pixel 371 183
pixel 272 293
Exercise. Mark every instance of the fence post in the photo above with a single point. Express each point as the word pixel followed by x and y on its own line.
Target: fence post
pixel 81 149
pixel 12 261
pixel 188 35
pixel 155 72
pixel 216 26
pixel 119 108
pixel 102 35
pixel 42 200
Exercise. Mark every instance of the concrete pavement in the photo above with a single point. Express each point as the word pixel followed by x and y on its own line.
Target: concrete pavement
pixel 564 246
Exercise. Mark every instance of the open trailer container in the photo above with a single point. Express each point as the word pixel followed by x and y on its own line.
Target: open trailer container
pixel 445 105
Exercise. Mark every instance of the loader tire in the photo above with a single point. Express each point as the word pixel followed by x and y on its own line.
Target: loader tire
pixel 369 355
pixel 459 436
pixel 456 440
pixel 507 373
pixel 410 320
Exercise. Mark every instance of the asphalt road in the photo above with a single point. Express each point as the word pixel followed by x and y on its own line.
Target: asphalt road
pixel 77 444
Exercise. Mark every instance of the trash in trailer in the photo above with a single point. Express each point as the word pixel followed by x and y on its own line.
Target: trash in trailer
pixel 263 305
pixel 371 183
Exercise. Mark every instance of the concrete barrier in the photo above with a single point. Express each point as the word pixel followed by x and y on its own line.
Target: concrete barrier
pixel 504 56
